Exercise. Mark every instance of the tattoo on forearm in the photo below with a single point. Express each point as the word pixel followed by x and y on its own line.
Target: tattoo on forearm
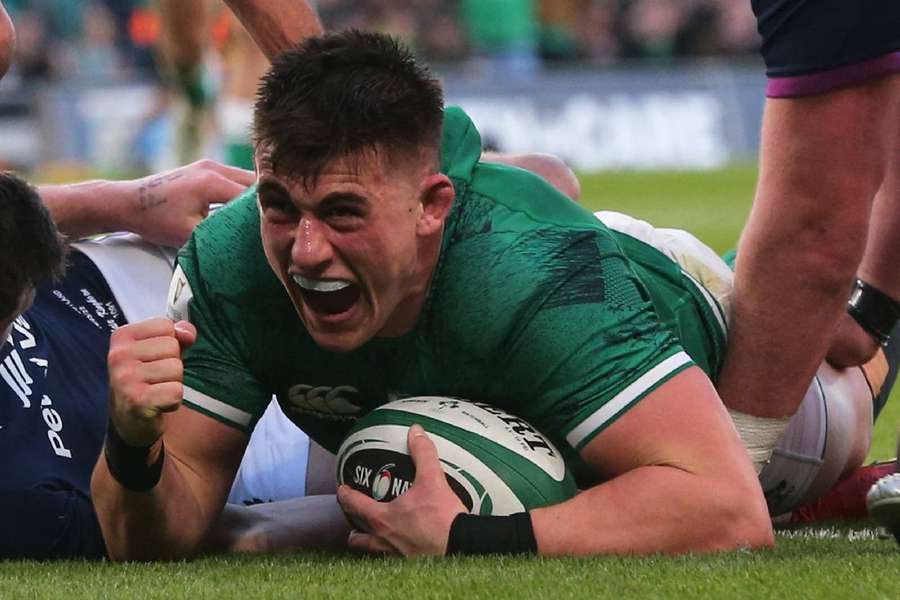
pixel 148 194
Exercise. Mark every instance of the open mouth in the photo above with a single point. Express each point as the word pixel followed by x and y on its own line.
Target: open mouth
pixel 327 296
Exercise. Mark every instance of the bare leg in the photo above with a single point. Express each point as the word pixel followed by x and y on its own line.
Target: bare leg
pixel 243 64
pixel 881 264
pixel 184 38
pixel 184 31
pixel 822 160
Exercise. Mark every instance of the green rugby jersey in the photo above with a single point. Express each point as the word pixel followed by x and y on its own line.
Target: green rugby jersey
pixel 534 307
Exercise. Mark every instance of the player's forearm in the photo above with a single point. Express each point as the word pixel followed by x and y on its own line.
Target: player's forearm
pixel 84 209
pixel 165 523
pixel 276 25
pixel 308 523
pixel 656 509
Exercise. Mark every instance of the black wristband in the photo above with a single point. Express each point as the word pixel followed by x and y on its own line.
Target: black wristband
pixel 875 311
pixel 128 464
pixel 475 534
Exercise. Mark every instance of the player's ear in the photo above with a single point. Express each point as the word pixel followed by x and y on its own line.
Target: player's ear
pixel 436 199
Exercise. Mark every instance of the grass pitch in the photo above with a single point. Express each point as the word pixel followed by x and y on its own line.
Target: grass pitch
pixel 830 562
pixel 841 564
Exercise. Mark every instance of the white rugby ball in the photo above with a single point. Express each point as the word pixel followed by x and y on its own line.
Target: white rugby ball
pixel 497 463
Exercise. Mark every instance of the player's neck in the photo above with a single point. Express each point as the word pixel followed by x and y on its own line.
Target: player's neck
pixel 408 310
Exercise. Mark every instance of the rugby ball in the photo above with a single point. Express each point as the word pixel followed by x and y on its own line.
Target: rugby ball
pixel 496 463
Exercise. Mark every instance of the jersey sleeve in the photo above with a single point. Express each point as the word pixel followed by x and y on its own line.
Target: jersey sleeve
pixel 48 522
pixel 218 381
pixel 593 348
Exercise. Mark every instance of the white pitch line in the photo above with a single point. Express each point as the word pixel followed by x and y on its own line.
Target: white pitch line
pixel 832 533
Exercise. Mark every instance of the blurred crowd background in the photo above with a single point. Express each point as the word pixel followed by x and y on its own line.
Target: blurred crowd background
pixel 103 40
pixel 90 92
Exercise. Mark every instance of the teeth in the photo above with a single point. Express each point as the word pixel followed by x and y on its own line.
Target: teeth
pixel 320 285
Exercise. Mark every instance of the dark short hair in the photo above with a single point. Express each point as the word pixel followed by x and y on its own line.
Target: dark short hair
pixel 341 95
pixel 31 248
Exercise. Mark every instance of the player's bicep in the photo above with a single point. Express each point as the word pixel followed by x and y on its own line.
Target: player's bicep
pixel 587 365
pixel 208 453
pixel 681 424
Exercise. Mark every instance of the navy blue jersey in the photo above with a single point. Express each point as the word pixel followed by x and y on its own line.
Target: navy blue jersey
pixel 53 411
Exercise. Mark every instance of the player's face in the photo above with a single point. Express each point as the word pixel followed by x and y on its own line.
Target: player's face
pixel 7 40
pixel 355 249
pixel 6 324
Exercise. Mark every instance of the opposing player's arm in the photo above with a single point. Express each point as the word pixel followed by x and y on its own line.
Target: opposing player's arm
pixel 163 208
pixel 276 25
pixel 308 523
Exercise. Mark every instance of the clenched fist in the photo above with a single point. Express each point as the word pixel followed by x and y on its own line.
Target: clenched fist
pixel 145 376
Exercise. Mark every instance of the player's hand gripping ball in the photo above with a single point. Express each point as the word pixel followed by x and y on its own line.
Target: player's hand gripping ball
pixel 497 464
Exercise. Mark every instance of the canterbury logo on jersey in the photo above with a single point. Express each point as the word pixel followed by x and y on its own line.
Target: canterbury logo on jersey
pixel 328 402
pixel 180 296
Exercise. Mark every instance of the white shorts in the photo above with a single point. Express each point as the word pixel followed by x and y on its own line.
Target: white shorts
pixel 275 463
pixel 137 272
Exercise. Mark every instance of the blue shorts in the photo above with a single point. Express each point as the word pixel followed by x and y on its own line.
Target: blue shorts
pixel 817 46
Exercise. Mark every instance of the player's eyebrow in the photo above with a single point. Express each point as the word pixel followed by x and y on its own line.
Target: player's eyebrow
pixel 344 198
pixel 271 186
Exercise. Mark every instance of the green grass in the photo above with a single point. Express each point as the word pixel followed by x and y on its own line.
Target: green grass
pixel 808 563
pixel 834 567
pixel 711 205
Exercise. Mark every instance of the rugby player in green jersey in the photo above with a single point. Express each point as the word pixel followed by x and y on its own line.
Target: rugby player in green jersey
pixel 383 259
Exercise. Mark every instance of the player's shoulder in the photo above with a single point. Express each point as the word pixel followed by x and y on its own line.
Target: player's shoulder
pixel 512 225
pixel 502 265
pixel 510 197
pixel 225 251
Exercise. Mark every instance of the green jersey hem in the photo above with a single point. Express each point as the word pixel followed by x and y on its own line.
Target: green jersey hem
pixel 224 413
pixel 582 434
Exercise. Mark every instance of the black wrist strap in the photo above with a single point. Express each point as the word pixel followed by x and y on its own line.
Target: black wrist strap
pixel 875 311
pixel 475 534
pixel 128 464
